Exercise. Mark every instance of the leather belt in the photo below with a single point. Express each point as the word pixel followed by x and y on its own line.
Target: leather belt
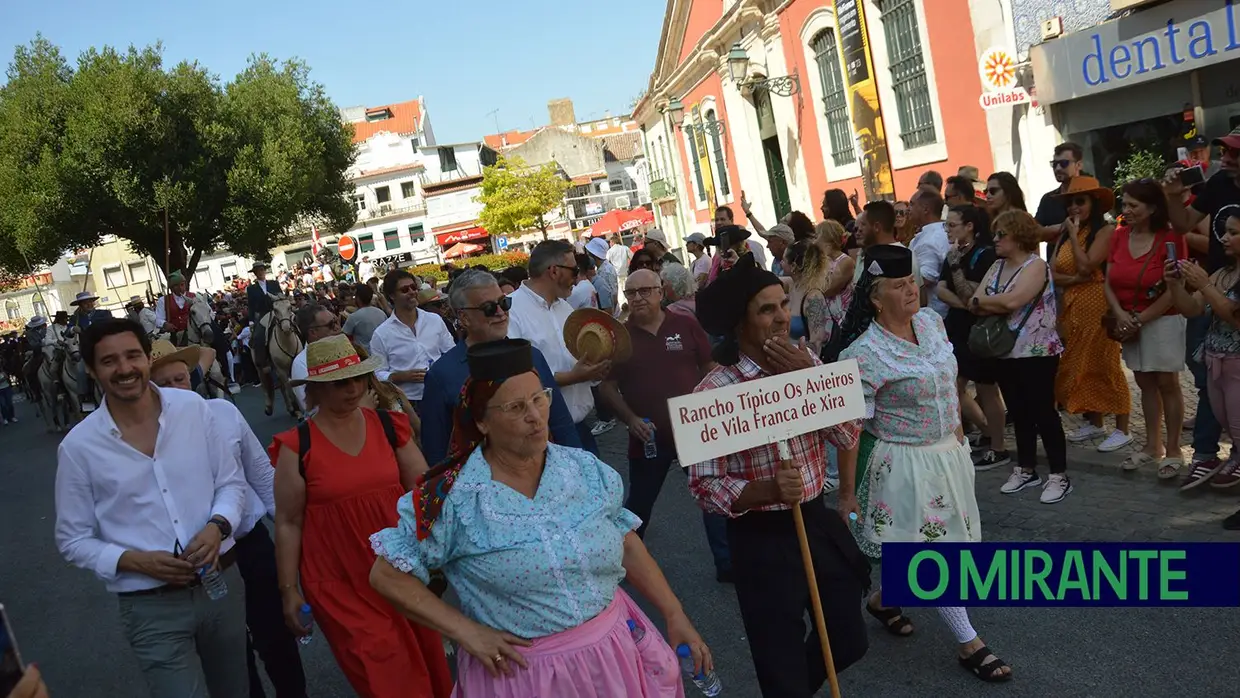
pixel 226 560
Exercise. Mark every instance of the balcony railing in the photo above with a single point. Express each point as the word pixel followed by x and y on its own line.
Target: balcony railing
pixel 392 208
pixel 661 189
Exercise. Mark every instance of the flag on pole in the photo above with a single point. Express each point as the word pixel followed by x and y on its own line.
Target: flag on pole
pixel 315 245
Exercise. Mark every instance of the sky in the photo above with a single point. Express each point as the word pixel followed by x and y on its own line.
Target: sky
pixel 467 58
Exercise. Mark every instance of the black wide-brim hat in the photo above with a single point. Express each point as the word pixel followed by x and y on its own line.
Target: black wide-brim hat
pixel 728 235
pixel 722 305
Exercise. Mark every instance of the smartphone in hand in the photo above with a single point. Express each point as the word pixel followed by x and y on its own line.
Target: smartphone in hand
pixel 1171 257
pixel 11 665
pixel 1192 176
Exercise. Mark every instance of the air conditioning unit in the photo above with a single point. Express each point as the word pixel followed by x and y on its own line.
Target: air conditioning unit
pixel 622 202
pixel 1052 28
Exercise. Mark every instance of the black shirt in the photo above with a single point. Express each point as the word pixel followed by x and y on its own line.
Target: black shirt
pixel 1052 209
pixel 975 264
pixel 1218 197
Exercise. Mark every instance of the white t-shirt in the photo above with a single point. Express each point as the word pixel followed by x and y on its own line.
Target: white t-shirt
pixel 930 247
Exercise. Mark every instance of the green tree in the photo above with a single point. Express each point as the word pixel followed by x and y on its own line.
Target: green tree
pixel 516 197
pixel 120 144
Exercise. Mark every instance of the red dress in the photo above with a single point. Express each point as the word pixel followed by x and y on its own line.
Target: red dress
pixel 382 653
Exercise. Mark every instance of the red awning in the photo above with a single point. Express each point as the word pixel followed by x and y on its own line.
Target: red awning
pixel 455 236
pixel 461 249
pixel 617 221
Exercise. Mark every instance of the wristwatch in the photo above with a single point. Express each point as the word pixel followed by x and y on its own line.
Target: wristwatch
pixel 222 524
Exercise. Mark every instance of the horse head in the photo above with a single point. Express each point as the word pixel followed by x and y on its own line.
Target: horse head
pixel 200 319
pixel 281 315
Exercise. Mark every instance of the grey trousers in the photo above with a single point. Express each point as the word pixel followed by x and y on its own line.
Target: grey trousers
pixel 187 645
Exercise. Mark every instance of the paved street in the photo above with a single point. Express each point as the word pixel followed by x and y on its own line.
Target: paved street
pixel 66 622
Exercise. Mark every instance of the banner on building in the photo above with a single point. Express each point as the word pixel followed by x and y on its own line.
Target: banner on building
pixel 867 115
pixel 698 136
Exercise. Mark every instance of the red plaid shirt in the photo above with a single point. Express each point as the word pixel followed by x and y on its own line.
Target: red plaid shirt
pixel 718 482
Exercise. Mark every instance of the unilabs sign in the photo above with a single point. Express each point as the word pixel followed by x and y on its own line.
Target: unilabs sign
pixel 998 70
pixel 719 422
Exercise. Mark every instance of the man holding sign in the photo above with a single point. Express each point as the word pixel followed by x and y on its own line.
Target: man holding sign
pixel 759 491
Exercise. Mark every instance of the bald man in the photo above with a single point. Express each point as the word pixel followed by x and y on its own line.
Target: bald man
pixel 671 354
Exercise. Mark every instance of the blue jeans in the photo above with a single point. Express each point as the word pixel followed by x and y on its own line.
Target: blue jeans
pixel 833 462
pixel 646 477
pixel 6 403
pixel 83 380
pixel 1206 429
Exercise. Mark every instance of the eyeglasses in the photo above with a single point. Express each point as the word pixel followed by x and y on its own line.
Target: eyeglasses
pixel 644 292
pixel 574 270
pixel 901 211
pixel 999 234
pixel 492 308
pixel 516 408
pixel 994 191
pixel 1061 164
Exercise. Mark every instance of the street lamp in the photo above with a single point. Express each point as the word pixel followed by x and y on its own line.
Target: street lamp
pixel 676 110
pixel 738 68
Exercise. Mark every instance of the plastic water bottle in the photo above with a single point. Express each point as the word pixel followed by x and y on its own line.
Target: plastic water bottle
pixel 305 620
pixel 213 582
pixel 708 684
pixel 651 449
pixel 637 631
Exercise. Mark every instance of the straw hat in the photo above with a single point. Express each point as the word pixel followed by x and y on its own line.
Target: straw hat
pixel 593 335
pixel 429 295
pixel 134 300
pixel 83 297
pixel 164 352
pixel 334 359
pixel 1088 185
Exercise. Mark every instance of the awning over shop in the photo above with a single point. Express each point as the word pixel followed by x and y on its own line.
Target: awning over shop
pixel 460 234
pixel 461 249
pixel 618 221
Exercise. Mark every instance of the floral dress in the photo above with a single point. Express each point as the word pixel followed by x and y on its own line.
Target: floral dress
pixel 914 476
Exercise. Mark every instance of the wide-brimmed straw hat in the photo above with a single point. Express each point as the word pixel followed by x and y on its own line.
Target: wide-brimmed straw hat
pixel 83 297
pixel 1090 186
pixel 334 359
pixel 134 300
pixel 592 335
pixel 164 352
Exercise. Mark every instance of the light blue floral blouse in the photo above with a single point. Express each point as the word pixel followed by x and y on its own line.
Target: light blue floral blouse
pixel 531 567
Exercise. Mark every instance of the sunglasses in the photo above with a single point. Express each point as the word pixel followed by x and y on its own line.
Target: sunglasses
pixel 574 270
pixel 994 191
pixel 1061 164
pixel 492 308
pixel 1081 200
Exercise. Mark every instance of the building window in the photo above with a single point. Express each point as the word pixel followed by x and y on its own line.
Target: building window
pixel 114 277
pixel 414 142
pixel 447 160
pixel 229 271
pixel 697 165
pixel 391 239
pixel 716 144
pixel 908 72
pixel 365 242
pixel 359 200
pixel 12 309
pixel 408 190
pixel 383 194
pixel 139 272
pixel 40 308
pixel 415 233
pixel 834 97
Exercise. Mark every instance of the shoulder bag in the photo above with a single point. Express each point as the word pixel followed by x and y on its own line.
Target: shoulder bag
pixel 1110 322
pixel 991 337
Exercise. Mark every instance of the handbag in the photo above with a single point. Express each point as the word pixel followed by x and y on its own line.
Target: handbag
pixel 1110 322
pixel 991 337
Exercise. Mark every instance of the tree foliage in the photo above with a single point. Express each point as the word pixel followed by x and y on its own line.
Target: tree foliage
pixel 112 145
pixel 516 197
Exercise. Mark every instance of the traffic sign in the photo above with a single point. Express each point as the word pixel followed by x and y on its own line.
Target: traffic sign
pixel 347 247
pixel 501 243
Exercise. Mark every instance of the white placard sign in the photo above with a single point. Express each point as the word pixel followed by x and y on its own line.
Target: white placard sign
pixel 723 421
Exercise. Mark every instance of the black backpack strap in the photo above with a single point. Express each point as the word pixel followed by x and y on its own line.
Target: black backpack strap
pixel 303 445
pixel 389 430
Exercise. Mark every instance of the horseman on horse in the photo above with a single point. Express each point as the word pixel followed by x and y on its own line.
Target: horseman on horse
pixel 172 310
pixel 258 297
pixel 84 316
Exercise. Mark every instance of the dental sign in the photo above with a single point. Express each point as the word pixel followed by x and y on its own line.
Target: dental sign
pixel 998 71
pixel 1153 43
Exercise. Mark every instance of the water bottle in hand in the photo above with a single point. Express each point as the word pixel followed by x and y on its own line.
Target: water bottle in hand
pixel 637 631
pixel 213 583
pixel 651 450
pixel 708 683
pixel 305 620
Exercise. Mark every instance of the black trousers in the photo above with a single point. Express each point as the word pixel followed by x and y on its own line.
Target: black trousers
pixel 1028 387
pixel 268 636
pixel 774 596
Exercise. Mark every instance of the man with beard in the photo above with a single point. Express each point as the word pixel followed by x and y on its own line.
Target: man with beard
pixel 748 307
pixel 147 497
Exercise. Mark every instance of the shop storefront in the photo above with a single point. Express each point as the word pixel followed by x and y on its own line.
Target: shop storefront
pixel 1165 79
pixel 470 236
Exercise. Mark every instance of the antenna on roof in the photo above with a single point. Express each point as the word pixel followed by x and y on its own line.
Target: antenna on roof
pixel 495 114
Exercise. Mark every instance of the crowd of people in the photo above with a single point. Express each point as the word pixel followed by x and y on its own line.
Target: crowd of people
pixel 445 488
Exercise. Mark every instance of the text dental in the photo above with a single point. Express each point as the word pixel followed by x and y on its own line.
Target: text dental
pixel 1148 51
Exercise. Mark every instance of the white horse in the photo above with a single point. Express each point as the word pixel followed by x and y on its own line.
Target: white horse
pixel 69 376
pixel 283 345
pixel 199 330
pixel 52 405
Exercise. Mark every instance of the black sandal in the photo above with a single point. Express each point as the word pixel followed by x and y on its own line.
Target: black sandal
pixel 893 619
pixel 989 673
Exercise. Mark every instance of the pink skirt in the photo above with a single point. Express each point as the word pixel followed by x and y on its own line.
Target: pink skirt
pixel 597 659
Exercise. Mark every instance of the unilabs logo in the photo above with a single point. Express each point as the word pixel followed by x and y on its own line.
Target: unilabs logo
pixel 998 71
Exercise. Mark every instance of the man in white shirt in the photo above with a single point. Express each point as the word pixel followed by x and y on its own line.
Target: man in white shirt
pixel 877 226
pixel 930 245
pixel 409 341
pixel 144 315
pixel 619 255
pixel 256 553
pixel 365 270
pixel 314 322
pixel 584 294
pixel 148 493
pixel 539 311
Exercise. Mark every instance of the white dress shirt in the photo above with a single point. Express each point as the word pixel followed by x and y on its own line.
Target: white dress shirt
pixel 110 498
pixel 299 371
pixel 260 477
pixel 161 308
pixel 365 271
pixel 543 325
pixel 404 348
pixel 930 246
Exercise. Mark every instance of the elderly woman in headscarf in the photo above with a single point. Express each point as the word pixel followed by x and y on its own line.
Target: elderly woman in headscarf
pixel 914 479
pixel 534 540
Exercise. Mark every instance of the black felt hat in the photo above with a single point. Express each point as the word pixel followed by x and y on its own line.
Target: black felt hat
pixel 721 305
pixel 889 261
pixel 728 235
pixel 496 361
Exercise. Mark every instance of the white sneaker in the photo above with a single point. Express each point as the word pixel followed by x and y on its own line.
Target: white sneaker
pixel 1057 487
pixel 1085 433
pixel 1019 480
pixel 830 484
pixel 234 388
pixel 602 427
pixel 1115 441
